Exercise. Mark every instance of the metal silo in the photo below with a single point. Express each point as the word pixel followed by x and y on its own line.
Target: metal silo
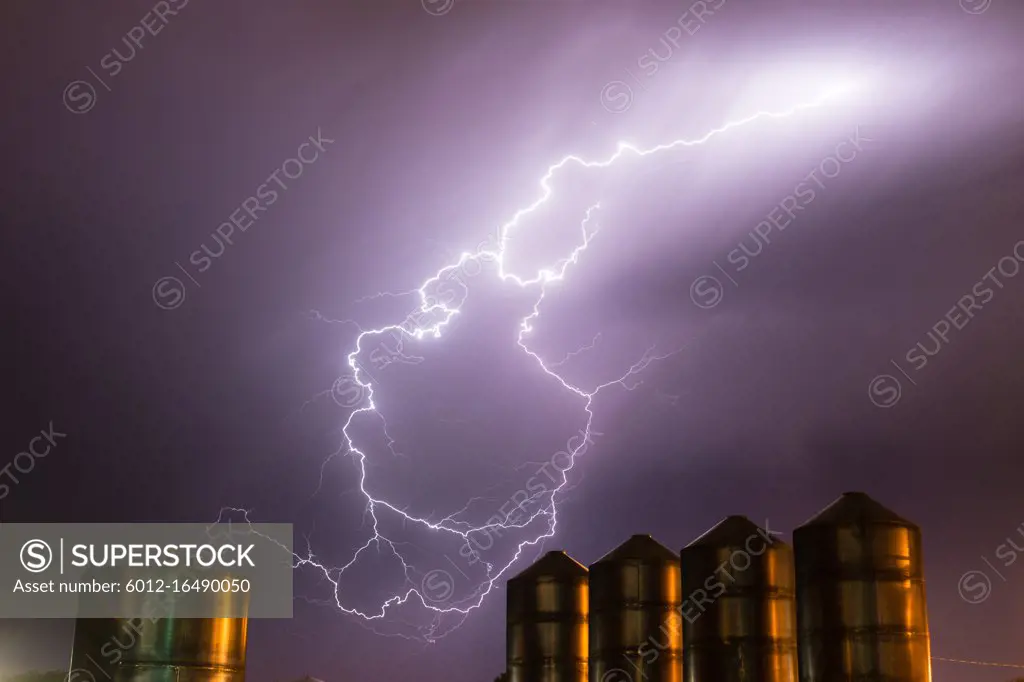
pixel 162 647
pixel 160 650
pixel 739 615
pixel 635 622
pixel 861 597
pixel 547 621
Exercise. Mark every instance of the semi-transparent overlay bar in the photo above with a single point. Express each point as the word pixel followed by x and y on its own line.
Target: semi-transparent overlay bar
pixel 146 570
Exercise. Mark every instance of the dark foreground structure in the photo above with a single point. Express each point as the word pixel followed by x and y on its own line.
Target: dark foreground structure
pixel 159 650
pixel 845 604
pixel 740 620
pixel 548 606
pixel 860 590
pixel 634 612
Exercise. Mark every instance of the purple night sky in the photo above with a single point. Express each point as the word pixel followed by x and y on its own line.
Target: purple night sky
pixel 818 302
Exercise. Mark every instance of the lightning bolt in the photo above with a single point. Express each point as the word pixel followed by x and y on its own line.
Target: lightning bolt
pixel 582 349
pixel 429 319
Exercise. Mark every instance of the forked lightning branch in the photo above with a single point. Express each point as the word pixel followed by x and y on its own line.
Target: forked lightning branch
pixel 438 314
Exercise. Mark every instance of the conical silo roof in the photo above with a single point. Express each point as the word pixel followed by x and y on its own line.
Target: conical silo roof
pixel 729 532
pixel 856 509
pixel 639 548
pixel 554 564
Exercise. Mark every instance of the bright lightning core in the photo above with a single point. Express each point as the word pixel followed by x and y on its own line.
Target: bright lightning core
pixel 431 318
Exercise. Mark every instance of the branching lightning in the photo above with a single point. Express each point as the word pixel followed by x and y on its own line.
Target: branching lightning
pixel 431 318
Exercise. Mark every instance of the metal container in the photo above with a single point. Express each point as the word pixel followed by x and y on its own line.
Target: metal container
pixel 635 622
pixel 547 613
pixel 160 647
pixel 860 589
pixel 739 613
pixel 159 650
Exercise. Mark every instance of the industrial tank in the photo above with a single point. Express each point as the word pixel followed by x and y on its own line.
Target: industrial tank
pixel 861 596
pixel 636 628
pixel 161 650
pixel 547 612
pixel 739 615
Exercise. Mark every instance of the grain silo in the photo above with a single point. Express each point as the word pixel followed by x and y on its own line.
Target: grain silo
pixel 547 612
pixel 861 596
pixel 739 620
pixel 635 620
